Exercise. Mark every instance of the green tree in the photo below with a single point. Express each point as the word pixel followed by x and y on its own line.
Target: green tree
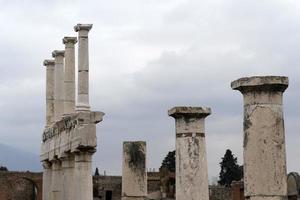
pixel 2 168
pixel 97 172
pixel 230 170
pixel 169 161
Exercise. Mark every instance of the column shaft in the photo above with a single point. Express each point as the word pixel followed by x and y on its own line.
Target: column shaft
pixel 134 175
pixel 58 84
pixel 69 75
pixel 83 176
pixel 83 66
pixel 56 183
pixel 191 163
pixel 68 180
pixel 49 91
pixel 47 177
pixel 264 139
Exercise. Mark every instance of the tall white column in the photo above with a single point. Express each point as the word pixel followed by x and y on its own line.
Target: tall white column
pixel 56 183
pixel 58 84
pixel 265 175
pixel 47 176
pixel 49 91
pixel 69 75
pixel 83 66
pixel 68 177
pixel 83 176
pixel 191 163
pixel 134 171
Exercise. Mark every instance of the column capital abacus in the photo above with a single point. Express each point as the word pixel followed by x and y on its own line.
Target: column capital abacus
pixel 69 40
pixel 189 112
pixel 48 62
pixel 57 53
pixel 85 27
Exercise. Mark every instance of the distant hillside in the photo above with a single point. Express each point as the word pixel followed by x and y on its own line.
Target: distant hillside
pixel 18 160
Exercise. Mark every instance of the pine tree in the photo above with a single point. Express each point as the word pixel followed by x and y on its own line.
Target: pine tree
pixel 97 172
pixel 230 170
pixel 169 161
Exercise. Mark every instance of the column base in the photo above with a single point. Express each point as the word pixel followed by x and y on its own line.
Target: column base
pixel 263 197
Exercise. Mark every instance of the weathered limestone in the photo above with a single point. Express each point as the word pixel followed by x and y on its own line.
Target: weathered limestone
pixel 264 139
pixel 83 66
pixel 68 180
pixel 49 91
pixel 56 181
pixel 58 84
pixel 191 163
pixel 134 175
pixel 47 176
pixel 69 75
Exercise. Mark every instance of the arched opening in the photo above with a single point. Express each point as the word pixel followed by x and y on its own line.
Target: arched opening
pixel 24 189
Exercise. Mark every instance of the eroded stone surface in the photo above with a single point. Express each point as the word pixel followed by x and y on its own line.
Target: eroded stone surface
pixel 191 163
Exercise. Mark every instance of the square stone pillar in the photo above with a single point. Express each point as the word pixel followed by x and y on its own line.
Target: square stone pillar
pixel 49 91
pixel 83 66
pixel 83 176
pixel 58 84
pixel 68 177
pixel 191 163
pixel 47 177
pixel 69 75
pixel 134 171
pixel 264 139
pixel 56 181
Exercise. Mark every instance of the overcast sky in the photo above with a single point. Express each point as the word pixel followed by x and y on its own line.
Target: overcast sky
pixel 147 56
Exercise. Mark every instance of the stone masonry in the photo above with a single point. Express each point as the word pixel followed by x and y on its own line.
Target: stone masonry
pixel 191 163
pixel 134 175
pixel 69 138
pixel 265 175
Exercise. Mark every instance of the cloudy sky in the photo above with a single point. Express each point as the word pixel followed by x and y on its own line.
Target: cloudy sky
pixel 147 56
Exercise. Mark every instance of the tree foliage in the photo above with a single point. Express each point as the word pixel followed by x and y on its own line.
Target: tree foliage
pixel 2 168
pixel 169 161
pixel 97 172
pixel 230 170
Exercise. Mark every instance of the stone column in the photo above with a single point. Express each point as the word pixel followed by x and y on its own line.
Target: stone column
pixel 58 84
pixel 83 66
pixel 49 91
pixel 47 176
pixel 134 173
pixel 191 164
pixel 264 140
pixel 83 176
pixel 68 180
pixel 56 183
pixel 69 75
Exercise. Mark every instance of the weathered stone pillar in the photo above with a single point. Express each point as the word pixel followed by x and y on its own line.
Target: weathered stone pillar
pixel 83 66
pixel 47 176
pixel 264 140
pixel 134 174
pixel 58 84
pixel 49 91
pixel 69 75
pixel 191 164
pixel 83 176
pixel 68 180
pixel 56 182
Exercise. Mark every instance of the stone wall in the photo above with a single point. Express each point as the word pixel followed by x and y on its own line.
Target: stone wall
pixel 219 193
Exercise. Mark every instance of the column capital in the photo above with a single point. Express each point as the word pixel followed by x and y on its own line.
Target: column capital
pixel 48 62
pixel 56 53
pixel 69 40
pixel 189 112
pixel 86 27
pixel 261 83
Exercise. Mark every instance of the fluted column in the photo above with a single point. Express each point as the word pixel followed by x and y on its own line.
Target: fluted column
pixel 58 84
pixel 56 183
pixel 83 66
pixel 69 75
pixel 49 91
pixel 68 177
pixel 191 163
pixel 47 177
pixel 134 174
pixel 83 176
pixel 264 139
